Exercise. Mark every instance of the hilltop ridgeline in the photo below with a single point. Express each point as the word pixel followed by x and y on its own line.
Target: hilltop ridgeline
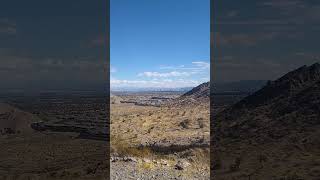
pixel 289 103
pixel 199 95
pixel 201 91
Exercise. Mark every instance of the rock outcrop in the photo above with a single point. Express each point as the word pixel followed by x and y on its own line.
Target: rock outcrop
pixel 115 99
pixel 199 95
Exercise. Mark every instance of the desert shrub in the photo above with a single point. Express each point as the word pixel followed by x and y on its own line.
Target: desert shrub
pixel 123 148
pixel 201 122
pixel 149 130
pixel 185 123
pixel 199 158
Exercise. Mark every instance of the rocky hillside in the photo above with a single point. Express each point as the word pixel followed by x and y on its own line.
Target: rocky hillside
pixel 279 124
pixel 291 102
pixel 197 95
pixel 115 99
pixel 201 91
pixel 13 120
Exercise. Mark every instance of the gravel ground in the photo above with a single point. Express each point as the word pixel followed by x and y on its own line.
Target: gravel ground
pixel 144 170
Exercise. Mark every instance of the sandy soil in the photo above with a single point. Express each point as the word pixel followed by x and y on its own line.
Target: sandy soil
pixel 158 139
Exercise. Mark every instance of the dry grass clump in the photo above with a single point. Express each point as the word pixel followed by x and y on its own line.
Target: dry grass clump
pixel 122 148
pixel 147 165
pixel 201 158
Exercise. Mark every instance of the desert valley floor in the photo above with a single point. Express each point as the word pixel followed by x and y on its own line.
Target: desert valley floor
pixel 166 140
pixel 59 151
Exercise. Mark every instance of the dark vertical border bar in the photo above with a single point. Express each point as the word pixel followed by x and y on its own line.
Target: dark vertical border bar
pixel 107 84
pixel 211 85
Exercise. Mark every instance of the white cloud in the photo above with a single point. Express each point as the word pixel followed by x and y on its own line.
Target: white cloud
pixel 196 65
pixel 168 76
pixel 201 64
pixel 163 75
pixel 126 82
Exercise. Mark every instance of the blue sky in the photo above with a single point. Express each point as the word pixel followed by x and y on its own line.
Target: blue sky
pixel 159 43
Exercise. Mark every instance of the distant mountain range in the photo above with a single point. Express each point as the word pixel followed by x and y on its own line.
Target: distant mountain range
pixel 238 86
pixel 135 89
pixel 246 86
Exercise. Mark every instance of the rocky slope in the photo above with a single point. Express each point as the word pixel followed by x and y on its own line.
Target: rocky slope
pixel 285 104
pixel 202 91
pixel 115 99
pixel 13 120
pixel 273 132
pixel 199 95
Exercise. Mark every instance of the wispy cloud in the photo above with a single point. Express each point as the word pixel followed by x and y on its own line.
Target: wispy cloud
pixel 201 64
pixel 178 71
pixel 196 65
pixel 168 76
